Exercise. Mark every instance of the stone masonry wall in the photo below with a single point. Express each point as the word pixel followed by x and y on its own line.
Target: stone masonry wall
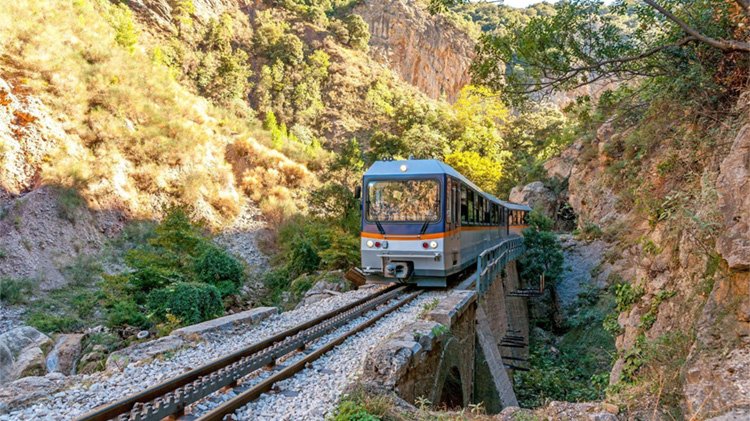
pixel 432 358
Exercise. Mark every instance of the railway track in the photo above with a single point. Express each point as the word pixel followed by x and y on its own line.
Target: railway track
pixel 171 397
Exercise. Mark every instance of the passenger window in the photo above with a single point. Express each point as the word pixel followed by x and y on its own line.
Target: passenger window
pixel 449 201
pixel 472 207
pixel 464 205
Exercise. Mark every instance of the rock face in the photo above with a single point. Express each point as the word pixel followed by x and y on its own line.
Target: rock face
pixel 734 203
pixel 536 195
pixel 695 306
pixel 29 389
pixel 27 134
pixel 160 11
pixel 64 354
pixel 22 353
pixel 427 51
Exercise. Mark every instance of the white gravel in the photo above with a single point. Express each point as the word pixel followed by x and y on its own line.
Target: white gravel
pixel 313 393
pixel 89 391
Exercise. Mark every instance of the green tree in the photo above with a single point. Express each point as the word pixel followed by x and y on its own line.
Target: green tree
pixel 484 172
pixel 359 32
pixel 585 41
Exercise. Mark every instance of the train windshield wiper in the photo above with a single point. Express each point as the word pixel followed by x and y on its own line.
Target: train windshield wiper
pixel 424 227
pixel 380 228
pixel 377 223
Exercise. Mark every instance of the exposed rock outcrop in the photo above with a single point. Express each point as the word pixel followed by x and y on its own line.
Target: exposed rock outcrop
pixel 734 203
pixel 27 134
pixel 38 243
pixel 29 389
pixel 22 353
pixel 692 307
pixel 427 51
pixel 65 353
pixel 160 12
pixel 536 195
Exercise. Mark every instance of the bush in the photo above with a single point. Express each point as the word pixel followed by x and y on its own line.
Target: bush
pixel 69 201
pixel 191 302
pixel 217 267
pixel 15 291
pixel 626 295
pixel 359 32
pixel 353 411
pixel 127 313
pixel 49 323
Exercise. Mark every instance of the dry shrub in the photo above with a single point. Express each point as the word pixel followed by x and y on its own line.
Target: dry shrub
pixel 139 140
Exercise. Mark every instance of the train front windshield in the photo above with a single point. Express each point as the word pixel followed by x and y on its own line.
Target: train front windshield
pixel 403 201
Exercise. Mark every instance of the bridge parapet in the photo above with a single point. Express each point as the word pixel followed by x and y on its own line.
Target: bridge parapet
pixel 492 261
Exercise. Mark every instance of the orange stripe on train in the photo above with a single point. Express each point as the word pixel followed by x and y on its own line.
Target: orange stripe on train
pixel 430 236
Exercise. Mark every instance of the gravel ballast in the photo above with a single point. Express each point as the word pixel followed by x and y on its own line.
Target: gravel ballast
pixel 309 395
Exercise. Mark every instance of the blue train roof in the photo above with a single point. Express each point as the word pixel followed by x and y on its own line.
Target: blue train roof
pixel 430 167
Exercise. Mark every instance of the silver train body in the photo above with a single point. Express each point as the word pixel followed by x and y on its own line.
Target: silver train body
pixel 425 223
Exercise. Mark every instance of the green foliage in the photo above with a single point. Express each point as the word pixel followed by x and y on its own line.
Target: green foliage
pixel 127 313
pixel 543 256
pixel 358 30
pixel 50 323
pixel 121 19
pixel 223 73
pixel 428 307
pixel 439 330
pixel 539 221
pixel 69 202
pixel 484 172
pixel 626 295
pixel 590 231
pixel 217 267
pixel 190 302
pixel 348 410
pixel 15 291
pixel 84 271
pixel 575 365
pixel 177 262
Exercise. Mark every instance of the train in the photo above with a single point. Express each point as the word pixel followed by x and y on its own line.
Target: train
pixel 425 223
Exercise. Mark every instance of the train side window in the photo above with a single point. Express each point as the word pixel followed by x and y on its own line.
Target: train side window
pixel 448 201
pixel 464 205
pixel 472 211
pixel 456 201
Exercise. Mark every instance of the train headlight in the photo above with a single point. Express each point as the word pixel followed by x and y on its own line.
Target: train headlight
pixel 385 244
pixel 370 243
pixel 433 244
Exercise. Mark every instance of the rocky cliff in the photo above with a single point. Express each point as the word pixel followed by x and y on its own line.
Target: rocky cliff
pixel 677 244
pixel 426 51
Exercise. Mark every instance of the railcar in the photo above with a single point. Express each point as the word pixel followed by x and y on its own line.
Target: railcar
pixel 425 223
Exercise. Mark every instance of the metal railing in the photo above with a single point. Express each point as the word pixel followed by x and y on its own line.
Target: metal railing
pixel 492 261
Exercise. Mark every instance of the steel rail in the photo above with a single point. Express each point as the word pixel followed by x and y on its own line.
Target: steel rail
pixel 230 406
pixel 179 391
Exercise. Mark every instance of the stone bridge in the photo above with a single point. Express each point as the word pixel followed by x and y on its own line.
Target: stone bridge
pixel 463 351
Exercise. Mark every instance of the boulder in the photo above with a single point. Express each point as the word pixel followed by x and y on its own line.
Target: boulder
pixel 321 290
pixel 22 353
pixel 733 186
pixel 143 351
pixel 30 362
pixel 64 354
pixel 538 196
pixel 562 166
pixel 248 317
pixel 29 389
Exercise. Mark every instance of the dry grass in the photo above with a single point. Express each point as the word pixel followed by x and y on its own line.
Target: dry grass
pixel 137 140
